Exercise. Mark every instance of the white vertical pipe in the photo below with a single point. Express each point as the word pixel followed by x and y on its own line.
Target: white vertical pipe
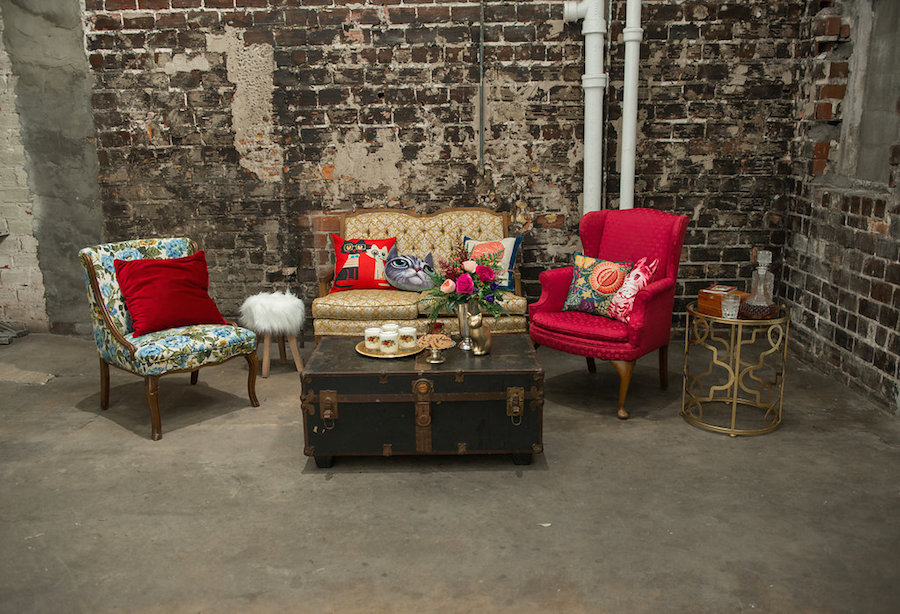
pixel 632 35
pixel 594 83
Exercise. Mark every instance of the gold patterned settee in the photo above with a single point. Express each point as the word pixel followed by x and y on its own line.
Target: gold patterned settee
pixel 350 312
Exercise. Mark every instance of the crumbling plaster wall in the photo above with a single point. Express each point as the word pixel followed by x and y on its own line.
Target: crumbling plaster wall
pixel 44 42
pixel 373 104
pixel 842 258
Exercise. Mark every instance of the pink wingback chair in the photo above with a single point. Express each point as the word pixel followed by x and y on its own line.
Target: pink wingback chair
pixel 617 235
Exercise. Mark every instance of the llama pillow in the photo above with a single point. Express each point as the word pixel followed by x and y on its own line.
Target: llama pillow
pixel 622 303
pixel 359 263
pixel 594 284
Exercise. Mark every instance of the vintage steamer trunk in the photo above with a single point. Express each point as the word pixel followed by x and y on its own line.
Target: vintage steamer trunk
pixel 353 405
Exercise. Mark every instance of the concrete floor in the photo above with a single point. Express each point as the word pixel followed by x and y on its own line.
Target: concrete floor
pixel 225 514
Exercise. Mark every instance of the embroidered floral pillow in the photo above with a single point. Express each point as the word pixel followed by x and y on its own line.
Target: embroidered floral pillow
pixel 359 263
pixel 622 303
pixel 594 284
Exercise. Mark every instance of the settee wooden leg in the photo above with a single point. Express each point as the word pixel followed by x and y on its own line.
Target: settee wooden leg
pixel 151 388
pixel 592 366
pixel 195 375
pixel 252 366
pixel 104 384
pixel 625 369
pixel 664 367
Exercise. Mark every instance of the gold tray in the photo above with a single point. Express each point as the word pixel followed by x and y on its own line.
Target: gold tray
pixel 361 348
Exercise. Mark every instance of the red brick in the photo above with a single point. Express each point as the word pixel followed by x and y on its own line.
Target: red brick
pixel 326 223
pixel 120 5
pixel 819 166
pixel 153 4
pixel 832 91
pixel 823 110
pixel 839 70
pixel 821 149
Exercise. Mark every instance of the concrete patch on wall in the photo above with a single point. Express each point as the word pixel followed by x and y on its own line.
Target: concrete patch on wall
pixel 251 69
pixel 21 281
pixel 360 166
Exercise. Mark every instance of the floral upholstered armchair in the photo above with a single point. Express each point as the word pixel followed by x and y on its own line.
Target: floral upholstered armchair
pixel 152 355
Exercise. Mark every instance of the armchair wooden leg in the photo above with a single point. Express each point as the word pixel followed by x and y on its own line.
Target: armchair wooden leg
pixel 592 366
pixel 195 375
pixel 625 369
pixel 151 387
pixel 104 384
pixel 664 367
pixel 295 353
pixel 252 366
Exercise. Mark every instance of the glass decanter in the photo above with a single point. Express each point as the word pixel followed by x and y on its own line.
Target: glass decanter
pixel 762 284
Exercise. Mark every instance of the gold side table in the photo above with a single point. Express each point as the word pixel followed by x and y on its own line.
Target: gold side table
pixel 745 370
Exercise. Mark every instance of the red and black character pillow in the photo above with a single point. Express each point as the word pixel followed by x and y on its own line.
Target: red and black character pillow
pixel 359 263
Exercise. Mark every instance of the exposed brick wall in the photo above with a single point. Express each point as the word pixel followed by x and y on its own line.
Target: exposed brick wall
pixel 842 260
pixel 21 281
pixel 715 125
pixel 373 104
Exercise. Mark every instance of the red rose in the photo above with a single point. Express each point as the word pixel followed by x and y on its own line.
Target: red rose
pixel 485 273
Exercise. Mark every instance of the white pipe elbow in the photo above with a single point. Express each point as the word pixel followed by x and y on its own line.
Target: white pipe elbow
pixel 573 11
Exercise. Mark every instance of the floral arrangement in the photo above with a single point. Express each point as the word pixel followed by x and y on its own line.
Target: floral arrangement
pixel 461 279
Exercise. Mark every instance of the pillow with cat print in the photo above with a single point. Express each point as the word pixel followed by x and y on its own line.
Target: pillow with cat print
pixel 359 263
pixel 408 272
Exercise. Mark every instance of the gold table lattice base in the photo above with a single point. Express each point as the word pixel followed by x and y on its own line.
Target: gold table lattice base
pixel 741 389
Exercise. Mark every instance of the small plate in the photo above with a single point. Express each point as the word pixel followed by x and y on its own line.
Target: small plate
pixel 361 348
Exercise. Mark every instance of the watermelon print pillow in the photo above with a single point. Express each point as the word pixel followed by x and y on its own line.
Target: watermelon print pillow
pixel 594 284
pixel 505 249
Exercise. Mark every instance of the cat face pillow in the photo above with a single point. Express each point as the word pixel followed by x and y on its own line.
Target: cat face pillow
pixel 407 272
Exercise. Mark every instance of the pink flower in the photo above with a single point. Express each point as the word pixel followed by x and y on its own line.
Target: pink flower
pixel 465 285
pixel 485 273
pixel 448 286
pixel 470 266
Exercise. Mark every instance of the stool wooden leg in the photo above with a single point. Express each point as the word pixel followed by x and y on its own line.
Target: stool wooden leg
pixel 282 353
pixel 295 352
pixel 267 348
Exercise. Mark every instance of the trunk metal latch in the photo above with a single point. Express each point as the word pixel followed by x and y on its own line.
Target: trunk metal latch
pixel 422 389
pixel 328 407
pixel 515 404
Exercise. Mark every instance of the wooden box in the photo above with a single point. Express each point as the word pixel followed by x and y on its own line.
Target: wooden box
pixel 355 405
pixel 709 300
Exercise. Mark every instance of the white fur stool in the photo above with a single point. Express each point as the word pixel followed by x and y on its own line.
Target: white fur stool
pixel 275 313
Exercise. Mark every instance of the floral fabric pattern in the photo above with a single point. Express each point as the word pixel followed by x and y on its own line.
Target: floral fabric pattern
pixel 175 349
pixel 594 284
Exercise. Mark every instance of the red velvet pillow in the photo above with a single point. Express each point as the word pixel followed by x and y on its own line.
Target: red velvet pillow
pixel 163 294
pixel 359 263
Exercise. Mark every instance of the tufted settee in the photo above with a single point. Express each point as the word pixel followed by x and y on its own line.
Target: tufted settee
pixel 350 312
